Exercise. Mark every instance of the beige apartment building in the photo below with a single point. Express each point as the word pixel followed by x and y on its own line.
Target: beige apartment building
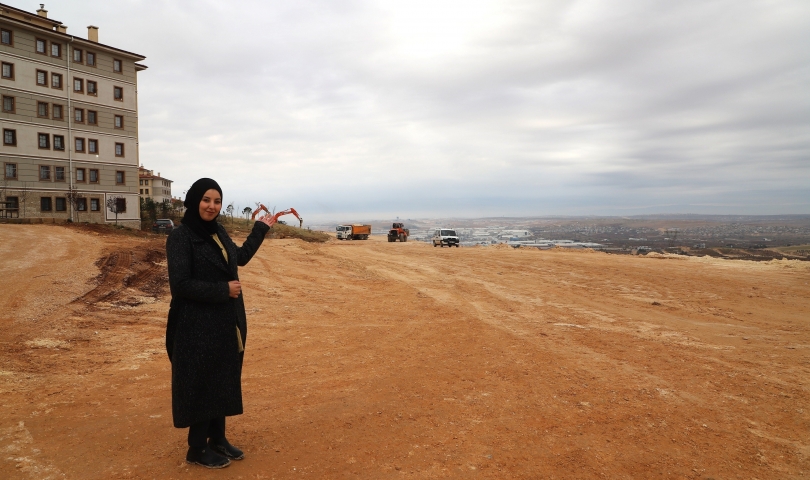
pixel 69 122
pixel 153 186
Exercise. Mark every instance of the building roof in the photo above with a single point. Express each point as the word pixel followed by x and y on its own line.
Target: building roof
pixel 35 16
pixel 144 172
pixel 6 9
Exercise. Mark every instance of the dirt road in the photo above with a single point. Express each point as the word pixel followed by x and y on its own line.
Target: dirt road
pixel 370 359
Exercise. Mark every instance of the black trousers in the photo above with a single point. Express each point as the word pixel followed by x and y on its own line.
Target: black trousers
pixel 199 433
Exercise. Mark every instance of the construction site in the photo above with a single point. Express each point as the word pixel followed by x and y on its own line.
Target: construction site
pixel 374 359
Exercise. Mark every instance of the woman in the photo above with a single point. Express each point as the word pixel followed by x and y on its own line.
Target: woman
pixel 207 328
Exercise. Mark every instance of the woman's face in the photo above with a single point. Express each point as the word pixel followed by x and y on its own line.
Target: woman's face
pixel 210 205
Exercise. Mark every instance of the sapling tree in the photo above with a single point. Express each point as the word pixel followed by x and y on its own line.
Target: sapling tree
pixel 116 205
pixel 23 194
pixel 73 198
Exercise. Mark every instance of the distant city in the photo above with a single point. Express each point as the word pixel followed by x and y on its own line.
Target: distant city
pixel 617 234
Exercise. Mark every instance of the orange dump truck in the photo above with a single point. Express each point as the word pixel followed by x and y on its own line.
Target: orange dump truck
pixel 354 231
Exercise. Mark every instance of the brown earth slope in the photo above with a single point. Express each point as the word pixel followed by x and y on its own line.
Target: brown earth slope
pixel 371 359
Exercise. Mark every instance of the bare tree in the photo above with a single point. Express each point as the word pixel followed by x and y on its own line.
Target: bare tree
pixel 229 211
pixel 23 194
pixel 3 188
pixel 113 204
pixel 246 212
pixel 74 197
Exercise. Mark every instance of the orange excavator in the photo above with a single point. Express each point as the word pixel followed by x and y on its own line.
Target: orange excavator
pixel 275 217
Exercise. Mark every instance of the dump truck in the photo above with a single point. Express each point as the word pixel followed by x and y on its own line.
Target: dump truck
pixel 354 231
pixel 398 233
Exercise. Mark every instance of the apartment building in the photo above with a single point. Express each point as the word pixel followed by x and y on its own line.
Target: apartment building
pixel 69 122
pixel 153 186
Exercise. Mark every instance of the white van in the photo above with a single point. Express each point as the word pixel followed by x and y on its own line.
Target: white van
pixel 445 236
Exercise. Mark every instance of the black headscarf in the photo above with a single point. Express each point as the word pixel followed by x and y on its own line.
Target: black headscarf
pixel 192 217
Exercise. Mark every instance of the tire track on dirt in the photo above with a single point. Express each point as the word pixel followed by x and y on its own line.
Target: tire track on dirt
pixel 113 281
pixel 144 276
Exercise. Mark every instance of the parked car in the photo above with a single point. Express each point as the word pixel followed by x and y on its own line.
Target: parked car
pixel 445 236
pixel 162 225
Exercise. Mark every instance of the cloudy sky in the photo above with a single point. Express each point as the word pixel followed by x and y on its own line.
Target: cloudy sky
pixel 355 109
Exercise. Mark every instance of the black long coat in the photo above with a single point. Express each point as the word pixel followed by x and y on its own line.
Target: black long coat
pixel 201 331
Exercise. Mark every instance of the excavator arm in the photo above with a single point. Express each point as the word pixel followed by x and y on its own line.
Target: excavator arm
pixel 259 209
pixel 277 215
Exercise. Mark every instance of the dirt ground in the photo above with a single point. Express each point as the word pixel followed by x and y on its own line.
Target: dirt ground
pixel 372 360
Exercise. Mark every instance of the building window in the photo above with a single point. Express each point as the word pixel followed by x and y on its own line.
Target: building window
pixel 59 174
pixel 121 204
pixel 119 149
pixel 141 190
pixel 45 172
pixel 8 71
pixel 42 78
pixel 78 115
pixel 9 137
pixel 42 109
pixel 80 175
pixel 79 145
pixel 61 204
pixel 93 175
pixel 41 46
pixel 56 49
pixel 8 104
pixel 119 177
pixel 118 93
pixel 92 88
pixel 92 117
pixel 81 204
pixel 7 37
pixel 147 191
pixel 13 202
pixel 91 59
pixel 59 142
pixel 56 80
pixel 95 205
pixel 44 141
pixel 119 121
pixel 77 55
pixel 57 112
pixel 116 65
pixel 92 146
pixel 45 204
pixel 11 170
pixel 78 85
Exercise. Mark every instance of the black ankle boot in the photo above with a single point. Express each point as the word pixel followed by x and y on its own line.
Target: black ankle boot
pixel 223 447
pixel 206 457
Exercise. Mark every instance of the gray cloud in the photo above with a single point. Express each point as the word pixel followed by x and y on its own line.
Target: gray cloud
pixel 465 108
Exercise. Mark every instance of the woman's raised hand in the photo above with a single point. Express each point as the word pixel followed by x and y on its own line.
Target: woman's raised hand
pixel 235 288
pixel 268 220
